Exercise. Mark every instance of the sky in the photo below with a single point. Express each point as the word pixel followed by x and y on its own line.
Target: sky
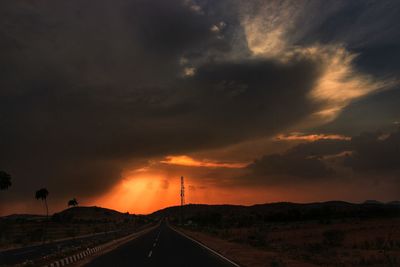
pixel 111 102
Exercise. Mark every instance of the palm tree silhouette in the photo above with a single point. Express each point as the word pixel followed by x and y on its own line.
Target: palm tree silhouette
pixel 73 202
pixel 5 180
pixel 42 194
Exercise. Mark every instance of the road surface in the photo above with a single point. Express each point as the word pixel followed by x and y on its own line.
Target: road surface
pixel 160 247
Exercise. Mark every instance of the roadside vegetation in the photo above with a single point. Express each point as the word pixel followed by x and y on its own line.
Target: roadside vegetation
pixel 23 230
pixel 20 230
pixel 286 234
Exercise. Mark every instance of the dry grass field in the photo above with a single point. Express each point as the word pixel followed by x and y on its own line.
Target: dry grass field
pixel 342 243
pixel 331 234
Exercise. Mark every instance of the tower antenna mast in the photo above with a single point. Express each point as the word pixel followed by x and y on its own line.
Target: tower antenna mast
pixel 182 191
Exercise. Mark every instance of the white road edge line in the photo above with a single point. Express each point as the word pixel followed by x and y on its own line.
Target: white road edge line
pixel 204 246
pixel 151 252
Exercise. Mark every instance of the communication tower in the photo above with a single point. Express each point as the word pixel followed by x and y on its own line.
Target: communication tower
pixel 182 191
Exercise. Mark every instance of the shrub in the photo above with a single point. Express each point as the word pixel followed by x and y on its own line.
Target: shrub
pixel 334 237
pixel 380 242
pixel 277 263
pixel 36 235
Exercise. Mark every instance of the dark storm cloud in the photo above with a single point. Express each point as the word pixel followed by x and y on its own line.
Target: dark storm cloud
pixel 361 25
pixel 252 94
pixel 302 162
pixel 375 152
pixel 290 165
pixel 320 148
pixel 88 87
pixel 366 153
pixel 372 113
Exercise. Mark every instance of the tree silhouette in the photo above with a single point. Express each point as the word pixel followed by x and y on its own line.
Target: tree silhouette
pixel 5 180
pixel 73 202
pixel 42 194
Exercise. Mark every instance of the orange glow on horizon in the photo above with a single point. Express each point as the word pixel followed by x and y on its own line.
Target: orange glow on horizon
pixel 141 194
pixel 297 136
pixel 151 188
pixel 188 161
pixel 145 191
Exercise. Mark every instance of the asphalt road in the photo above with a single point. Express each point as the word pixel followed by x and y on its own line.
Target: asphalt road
pixel 160 247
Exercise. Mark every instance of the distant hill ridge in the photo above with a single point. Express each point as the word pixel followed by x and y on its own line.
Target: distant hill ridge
pixel 90 213
pixel 342 208
pixel 287 211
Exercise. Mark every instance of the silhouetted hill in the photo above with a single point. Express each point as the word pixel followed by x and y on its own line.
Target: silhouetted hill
pixel 372 201
pixel 277 212
pixel 21 230
pixel 91 214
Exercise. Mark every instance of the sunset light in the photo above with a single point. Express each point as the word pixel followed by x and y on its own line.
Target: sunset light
pixel 188 161
pixel 200 133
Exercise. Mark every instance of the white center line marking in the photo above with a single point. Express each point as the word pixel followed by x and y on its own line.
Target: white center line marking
pixel 151 252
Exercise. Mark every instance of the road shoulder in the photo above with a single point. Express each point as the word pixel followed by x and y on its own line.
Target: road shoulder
pixel 181 232
pixel 244 255
pixel 110 246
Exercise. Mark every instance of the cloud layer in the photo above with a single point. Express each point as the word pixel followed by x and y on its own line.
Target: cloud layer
pixel 370 153
pixel 92 88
